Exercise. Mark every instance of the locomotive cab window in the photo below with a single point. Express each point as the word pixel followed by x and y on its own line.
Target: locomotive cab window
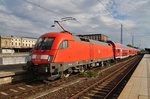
pixel 64 44
pixel 44 43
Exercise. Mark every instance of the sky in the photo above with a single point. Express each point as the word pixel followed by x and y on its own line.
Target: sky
pixel 32 18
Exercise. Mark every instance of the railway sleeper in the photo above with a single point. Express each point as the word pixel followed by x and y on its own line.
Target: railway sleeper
pixel 98 92
pixel 96 97
pixel 102 89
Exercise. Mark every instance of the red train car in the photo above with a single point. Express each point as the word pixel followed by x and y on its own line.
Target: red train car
pixel 133 51
pixel 61 53
pixel 122 51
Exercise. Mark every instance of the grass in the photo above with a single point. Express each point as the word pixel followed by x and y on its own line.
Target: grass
pixel 91 73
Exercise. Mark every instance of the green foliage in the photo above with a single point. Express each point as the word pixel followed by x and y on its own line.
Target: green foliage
pixel 143 52
pixel 91 73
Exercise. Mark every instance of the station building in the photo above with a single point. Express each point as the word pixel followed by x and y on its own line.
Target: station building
pixel 28 42
pixel 15 42
pixel 97 37
pixel 9 44
pixel 5 42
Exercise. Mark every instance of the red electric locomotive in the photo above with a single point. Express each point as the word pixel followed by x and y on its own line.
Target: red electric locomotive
pixel 59 54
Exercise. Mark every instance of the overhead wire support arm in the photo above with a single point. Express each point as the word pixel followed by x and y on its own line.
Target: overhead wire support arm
pixel 62 20
pixel 59 25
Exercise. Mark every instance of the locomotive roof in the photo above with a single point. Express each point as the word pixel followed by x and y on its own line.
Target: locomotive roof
pixel 65 35
pixel 118 45
pixel 69 36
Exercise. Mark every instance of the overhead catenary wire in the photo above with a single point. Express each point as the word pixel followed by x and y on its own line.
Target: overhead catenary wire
pixel 108 11
pixel 9 28
pixel 55 12
pixel 44 8
pixel 120 23
pixel 51 11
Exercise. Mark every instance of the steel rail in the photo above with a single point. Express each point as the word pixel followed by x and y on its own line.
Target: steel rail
pixel 100 81
pixel 111 91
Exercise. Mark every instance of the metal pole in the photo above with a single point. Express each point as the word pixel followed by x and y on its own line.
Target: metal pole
pixel 121 35
pixel 60 25
pixel 133 40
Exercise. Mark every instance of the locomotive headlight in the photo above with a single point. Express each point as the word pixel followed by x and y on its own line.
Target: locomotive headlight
pixel 44 56
pixel 49 58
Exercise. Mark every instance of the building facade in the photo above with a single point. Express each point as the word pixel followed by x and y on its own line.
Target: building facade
pixel 15 42
pixel 5 42
pixel 28 42
pixel 10 42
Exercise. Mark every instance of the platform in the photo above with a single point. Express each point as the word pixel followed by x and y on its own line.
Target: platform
pixel 138 86
pixel 9 74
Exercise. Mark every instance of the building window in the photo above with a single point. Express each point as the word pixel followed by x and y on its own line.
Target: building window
pixel 6 42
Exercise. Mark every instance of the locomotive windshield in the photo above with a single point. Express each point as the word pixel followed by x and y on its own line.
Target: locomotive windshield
pixel 44 43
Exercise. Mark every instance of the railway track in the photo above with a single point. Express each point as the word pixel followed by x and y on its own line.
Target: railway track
pixel 32 88
pixel 28 88
pixel 73 89
pixel 106 88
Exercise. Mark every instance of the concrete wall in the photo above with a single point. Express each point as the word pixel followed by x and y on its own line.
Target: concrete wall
pixel 12 60
pixel 7 51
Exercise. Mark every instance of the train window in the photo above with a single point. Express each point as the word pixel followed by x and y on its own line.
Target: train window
pixel 118 50
pixel 64 44
pixel 44 43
